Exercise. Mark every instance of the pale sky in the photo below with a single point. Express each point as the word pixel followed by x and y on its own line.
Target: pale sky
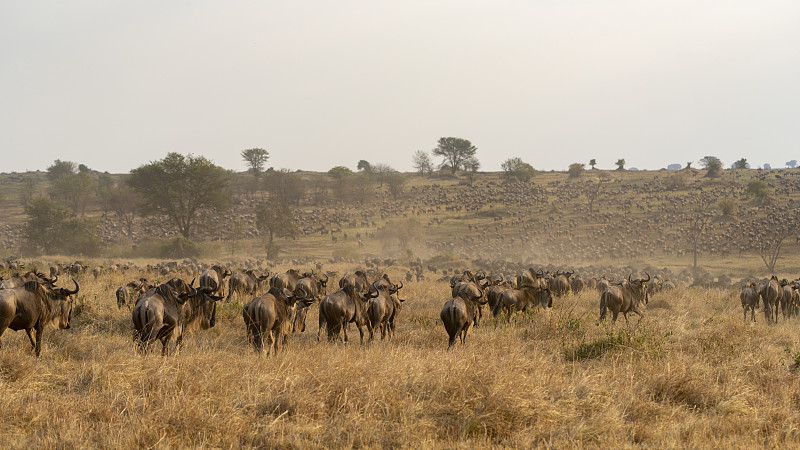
pixel 116 84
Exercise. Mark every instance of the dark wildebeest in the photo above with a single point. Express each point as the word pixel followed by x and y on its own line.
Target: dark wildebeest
pixel 315 287
pixel 520 299
pixel 287 280
pixel 623 298
pixel 560 285
pixel 771 293
pixel 357 279
pixel 786 298
pixel 214 278
pixel 128 294
pixel 493 292
pixel 270 317
pixel 245 283
pixel 172 307
pixel 18 280
pixel 750 298
pixel 458 315
pixel 470 286
pixel 33 306
pixel 381 310
pixel 343 307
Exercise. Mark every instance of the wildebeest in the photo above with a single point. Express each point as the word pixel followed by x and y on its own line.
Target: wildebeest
pixel 270 317
pixel 245 283
pixel 33 306
pixel 458 314
pixel 771 294
pixel 560 284
pixel 623 298
pixel 127 295
pixel 786 298
pixel 470 286
pixel 172 307
pixel 214 279
pixel 315 287
pixel 18 280
pixel 521 298
pixel 382 309
pixel 750 298
pixel 357 279
pixel 493 292
pixel 342 307
pixel 287 280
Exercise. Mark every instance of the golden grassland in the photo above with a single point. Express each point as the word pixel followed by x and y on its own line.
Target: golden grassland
pixel 692 374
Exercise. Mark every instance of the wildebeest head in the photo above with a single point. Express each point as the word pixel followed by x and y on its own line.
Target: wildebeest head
pixel 58 303
pixel 639 287
pixel 204 305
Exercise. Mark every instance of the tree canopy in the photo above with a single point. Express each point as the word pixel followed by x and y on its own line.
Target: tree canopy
pixel 275 219
pixel 620 164
pixel 713 165
pixel 180 188
pixel 456 152
pixel 255 159
pixel 516 168
pixel 422 162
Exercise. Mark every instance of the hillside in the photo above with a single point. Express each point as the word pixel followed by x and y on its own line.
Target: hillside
pixel 640 218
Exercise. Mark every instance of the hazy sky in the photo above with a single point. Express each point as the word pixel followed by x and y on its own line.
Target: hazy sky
pixel 116 84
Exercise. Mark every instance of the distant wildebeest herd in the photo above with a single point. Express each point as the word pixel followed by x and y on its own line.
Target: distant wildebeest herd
pixel 366 298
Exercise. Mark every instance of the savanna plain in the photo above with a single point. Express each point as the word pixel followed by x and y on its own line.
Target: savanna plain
pixel 692 374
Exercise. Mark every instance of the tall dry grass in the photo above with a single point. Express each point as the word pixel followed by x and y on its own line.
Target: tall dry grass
pixel 692 374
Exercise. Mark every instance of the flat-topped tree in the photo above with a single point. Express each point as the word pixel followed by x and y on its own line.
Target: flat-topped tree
pixel 455 151
pixel 180 188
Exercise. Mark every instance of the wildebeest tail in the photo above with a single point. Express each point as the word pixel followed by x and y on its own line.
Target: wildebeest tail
pixel 603 304
pixel 148 331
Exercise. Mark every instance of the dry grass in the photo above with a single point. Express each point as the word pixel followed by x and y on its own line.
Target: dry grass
pixel 693 374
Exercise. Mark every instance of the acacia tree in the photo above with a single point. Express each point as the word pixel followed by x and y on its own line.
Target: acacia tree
pixel 455 151
pixel 288 186
pixel 180 188
pixel 518 169
pixel 771 230
pixel 422 162
pixel 713 165
pixel 575 170
pixel 255 158
pixel 620 164
pixel 395 182
pixel 592 163
pixel 593 190
pixel 698 222
pixel 275 219
pixel 471 165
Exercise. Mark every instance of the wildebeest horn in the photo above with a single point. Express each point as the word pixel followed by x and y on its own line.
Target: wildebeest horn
pixel 400 287
pixel 77 288
pixel 305 294
pixel 452 282
pixel 191 285
pixel 648 277
pixel 629 278
pixel 216 298
pixel 501 279
pixel 326 278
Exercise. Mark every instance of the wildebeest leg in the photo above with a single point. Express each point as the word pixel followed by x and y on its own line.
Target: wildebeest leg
pixel 479 315
pixel 361 332
pixel 321 324
pixel 30 338
pixel 164 346
pixel 614 316
pixel 752 313
pixel 272 345
pixel 464 333
pixel 38 346
pixel 343 327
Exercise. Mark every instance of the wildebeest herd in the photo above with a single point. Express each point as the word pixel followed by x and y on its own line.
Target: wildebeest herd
pixel 366 298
